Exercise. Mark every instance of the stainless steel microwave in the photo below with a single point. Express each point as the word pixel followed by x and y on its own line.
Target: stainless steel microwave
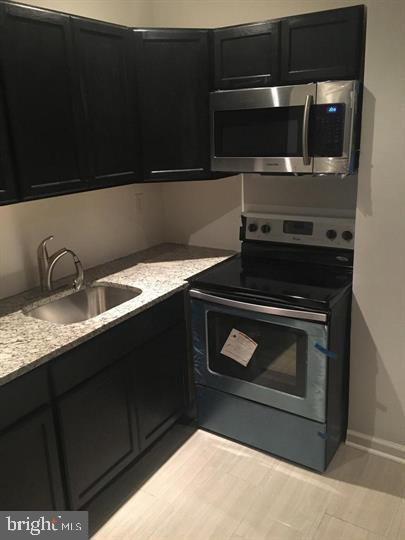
pixel 302 129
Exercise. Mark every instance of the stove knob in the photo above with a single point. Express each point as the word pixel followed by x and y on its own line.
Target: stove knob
pixel 266 228
pixel 331 234
pixel 252 227
pixel 347 235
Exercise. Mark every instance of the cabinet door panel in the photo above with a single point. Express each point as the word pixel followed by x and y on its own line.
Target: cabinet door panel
pixel 246 56
pixel 159 368
pixel 174 94
pixel 29 466
pixel 44 123
pixel 102 53
pixel 8 189
pixel 322 46
pixel 99 432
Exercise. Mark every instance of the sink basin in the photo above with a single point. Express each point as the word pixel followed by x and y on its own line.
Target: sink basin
pixel 83 305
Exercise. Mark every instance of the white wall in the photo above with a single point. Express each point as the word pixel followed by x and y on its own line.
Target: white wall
pixel 98 225
pixel 378 338
pixel 321 194
pixel 205 213
pixel 126 12
pixel 377 391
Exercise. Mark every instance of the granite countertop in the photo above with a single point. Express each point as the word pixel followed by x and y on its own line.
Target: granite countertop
pixel 159 271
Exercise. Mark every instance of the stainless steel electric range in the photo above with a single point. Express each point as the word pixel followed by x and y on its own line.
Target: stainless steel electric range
pixel 270 331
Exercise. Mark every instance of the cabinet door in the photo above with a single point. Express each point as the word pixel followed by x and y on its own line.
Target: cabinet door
pixel 37 69
pixel 102 55
pixel 174 94
pixel 160 369
pixel 322 46
pixel 8 191
pixel 29 465
pixel 246 56
pixel 99 432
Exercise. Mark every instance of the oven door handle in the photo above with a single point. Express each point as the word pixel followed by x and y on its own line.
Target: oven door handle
pixel 268 310
pixel 305 130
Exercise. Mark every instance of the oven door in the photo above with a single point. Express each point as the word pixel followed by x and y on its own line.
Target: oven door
pixel 288 368
pixel 262 129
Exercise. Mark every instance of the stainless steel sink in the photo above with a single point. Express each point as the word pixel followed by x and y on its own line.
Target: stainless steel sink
pixel 83 305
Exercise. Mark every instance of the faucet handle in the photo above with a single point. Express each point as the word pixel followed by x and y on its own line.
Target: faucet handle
pixel 45 240
pixel 42 251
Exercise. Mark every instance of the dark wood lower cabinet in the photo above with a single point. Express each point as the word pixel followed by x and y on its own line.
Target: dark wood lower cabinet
pixel 111 397
pixel 98 431
pixel 159 368
pixel 30 477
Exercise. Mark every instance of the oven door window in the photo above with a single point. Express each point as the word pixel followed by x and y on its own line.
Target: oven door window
pixel 279 360
pixel 269 132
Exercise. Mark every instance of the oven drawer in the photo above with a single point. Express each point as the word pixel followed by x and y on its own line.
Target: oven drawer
pixel 291 437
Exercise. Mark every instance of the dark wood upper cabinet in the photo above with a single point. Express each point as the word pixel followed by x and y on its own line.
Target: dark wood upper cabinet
pixel 105 64
pixel 322 46
pixel 246 56
pixel 36 58
pixel 8 188
pixel 87 104
pixel 174 103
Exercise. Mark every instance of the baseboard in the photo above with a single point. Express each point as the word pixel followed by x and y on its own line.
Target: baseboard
pixel 376 446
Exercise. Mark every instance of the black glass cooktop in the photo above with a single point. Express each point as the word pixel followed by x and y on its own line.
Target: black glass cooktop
pixel 296 283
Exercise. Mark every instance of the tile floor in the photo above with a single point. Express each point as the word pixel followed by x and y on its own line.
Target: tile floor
pixel 213 488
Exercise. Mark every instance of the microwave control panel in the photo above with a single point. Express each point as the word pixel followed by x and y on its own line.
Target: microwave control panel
pixel 327 124
pixel 291 229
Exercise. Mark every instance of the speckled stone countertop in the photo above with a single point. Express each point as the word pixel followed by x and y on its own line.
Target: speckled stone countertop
pixel 159 271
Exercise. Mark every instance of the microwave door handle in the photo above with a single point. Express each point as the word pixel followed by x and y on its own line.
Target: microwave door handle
pixel 305 129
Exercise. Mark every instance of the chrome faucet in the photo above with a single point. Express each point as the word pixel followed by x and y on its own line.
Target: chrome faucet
pixel 47 263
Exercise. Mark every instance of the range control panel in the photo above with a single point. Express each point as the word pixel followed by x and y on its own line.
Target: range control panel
pixel 292 229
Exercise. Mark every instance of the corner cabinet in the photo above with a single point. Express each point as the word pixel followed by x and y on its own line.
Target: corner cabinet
pixel 37 68
pixel 246 56
pixel 327 45
pixel 322 46
pixel 105 67
pixel 173 83
pixel 116 393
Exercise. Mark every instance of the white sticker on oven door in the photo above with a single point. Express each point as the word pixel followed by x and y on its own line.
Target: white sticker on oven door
pixel 239 347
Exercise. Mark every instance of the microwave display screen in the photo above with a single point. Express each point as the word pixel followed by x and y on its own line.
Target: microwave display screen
pixel 298 227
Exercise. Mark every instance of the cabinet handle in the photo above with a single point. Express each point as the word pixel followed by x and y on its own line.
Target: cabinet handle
pixel 305 124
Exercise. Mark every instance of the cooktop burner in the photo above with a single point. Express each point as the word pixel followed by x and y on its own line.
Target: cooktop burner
pixel 300 284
